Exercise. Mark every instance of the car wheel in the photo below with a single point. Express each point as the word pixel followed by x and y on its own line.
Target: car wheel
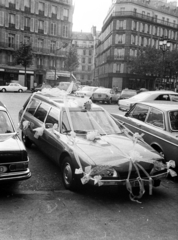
pixel 20 90
pixel 3 90
pixel 27 142
pixel 68 177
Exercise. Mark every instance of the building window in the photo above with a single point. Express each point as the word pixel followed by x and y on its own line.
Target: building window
pixel 90 52
pixel 52 63
pixel 41 26
pixel 54 11
pixel 11 40
pixel 11 20
pixel 26 40
pixel 53 29
pixel 89 60
pixel 41 8
pixel 83 68
pixel 89 68
pixel 40 45
pixel 11 4
pixel 27 24
pixel 65 31
pixel 84 52
pixel 52 47
pixel 66 14
pixel 83 60
pixel 40 61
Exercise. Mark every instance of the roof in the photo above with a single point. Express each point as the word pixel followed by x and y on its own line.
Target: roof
pixel 71 101
pixel 162 105
pixel 82 36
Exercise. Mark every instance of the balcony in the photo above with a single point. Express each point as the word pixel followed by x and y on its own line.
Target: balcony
pixel 27 28
pixel 141 16
pixel 41 31
pixel 11 6
pixel 41 13
pixel 54 16
pixel 8 46
pixel 27 9
pixel 12 25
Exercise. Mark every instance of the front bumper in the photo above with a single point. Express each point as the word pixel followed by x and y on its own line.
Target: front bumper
pixel 133 182
pixel 15 176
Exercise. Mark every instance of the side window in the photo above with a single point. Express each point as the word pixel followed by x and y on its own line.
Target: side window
pixel 156 118
pixel 139 112
pixel 32 106
pixel 53 116
pixel 65 123
pixel 163 97
pixel 41 112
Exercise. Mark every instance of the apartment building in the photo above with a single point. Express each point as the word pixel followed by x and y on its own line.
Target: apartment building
pixel 129 26
pixel 46 24
pixel 84 42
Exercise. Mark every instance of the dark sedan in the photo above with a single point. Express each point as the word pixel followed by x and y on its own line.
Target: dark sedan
pixel 158 121
pixel 13 155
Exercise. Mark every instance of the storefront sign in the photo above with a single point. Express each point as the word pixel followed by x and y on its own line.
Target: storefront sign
pixel 1 70
pixel 12 70
pixel 50 75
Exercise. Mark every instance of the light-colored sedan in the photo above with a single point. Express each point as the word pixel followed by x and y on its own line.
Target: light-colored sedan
pixel 105 95
pixel 13 87
pixel 163 95
pixel 86 91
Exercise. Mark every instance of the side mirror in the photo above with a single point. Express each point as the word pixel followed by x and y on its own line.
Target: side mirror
pixel 126 114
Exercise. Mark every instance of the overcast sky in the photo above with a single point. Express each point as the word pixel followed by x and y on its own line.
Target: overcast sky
pixel 88 13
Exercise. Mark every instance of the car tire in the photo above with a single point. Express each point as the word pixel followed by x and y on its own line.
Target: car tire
pixel 3 90
pixel 27 142
pixel 20 90
pixel 68 176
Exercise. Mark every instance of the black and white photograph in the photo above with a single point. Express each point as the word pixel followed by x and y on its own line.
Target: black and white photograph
pixel 88 119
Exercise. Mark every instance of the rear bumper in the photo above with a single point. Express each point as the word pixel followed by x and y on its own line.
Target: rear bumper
pixel 15 176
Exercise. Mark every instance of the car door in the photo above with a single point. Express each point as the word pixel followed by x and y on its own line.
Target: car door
pixel 10 88
pixel 51 137
pixel 136 117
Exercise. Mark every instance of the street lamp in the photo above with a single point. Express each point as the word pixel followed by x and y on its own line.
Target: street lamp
pixel 64 45
pixel 164 45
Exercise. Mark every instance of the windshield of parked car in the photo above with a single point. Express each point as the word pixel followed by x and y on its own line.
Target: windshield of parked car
pixel 88 88
pixel 85 121
pixel 5 123
pixel 173 116
pixel 103 90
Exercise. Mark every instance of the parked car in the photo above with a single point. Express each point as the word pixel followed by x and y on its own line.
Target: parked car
pixel 164 95
pixel 127 93
pixel 86 143
pixel 86 91
pixel 13 87
pixel 105 95
pixel 14 159
pixel 158 121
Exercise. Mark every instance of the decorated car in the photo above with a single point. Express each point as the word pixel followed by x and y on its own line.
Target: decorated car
pixel 87 144
pixel 14 159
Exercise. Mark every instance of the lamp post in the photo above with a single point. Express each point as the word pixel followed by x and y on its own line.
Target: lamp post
pixel 64 45
pixel 164 45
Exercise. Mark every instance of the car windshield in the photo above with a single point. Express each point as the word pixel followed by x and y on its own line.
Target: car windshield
pixel 88 88
pixel 85 121
pixel 5 123
pixel 103 90
pixel 173 116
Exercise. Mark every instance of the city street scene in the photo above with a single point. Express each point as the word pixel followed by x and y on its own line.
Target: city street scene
pixel 88 119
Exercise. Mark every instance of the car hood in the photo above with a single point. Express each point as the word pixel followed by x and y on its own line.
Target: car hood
pixel 10 142
pixel 114 150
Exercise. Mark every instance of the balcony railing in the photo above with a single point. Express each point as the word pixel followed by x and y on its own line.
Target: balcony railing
pixel 27 9
pixel 12 25
pixel 141 16
pixel 26 28
pixel 41 31
pixel 11 6
pixel 115 57
pixel 41 13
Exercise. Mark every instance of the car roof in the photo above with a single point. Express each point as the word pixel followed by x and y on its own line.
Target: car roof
pixel 59 101
pixel 162 105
